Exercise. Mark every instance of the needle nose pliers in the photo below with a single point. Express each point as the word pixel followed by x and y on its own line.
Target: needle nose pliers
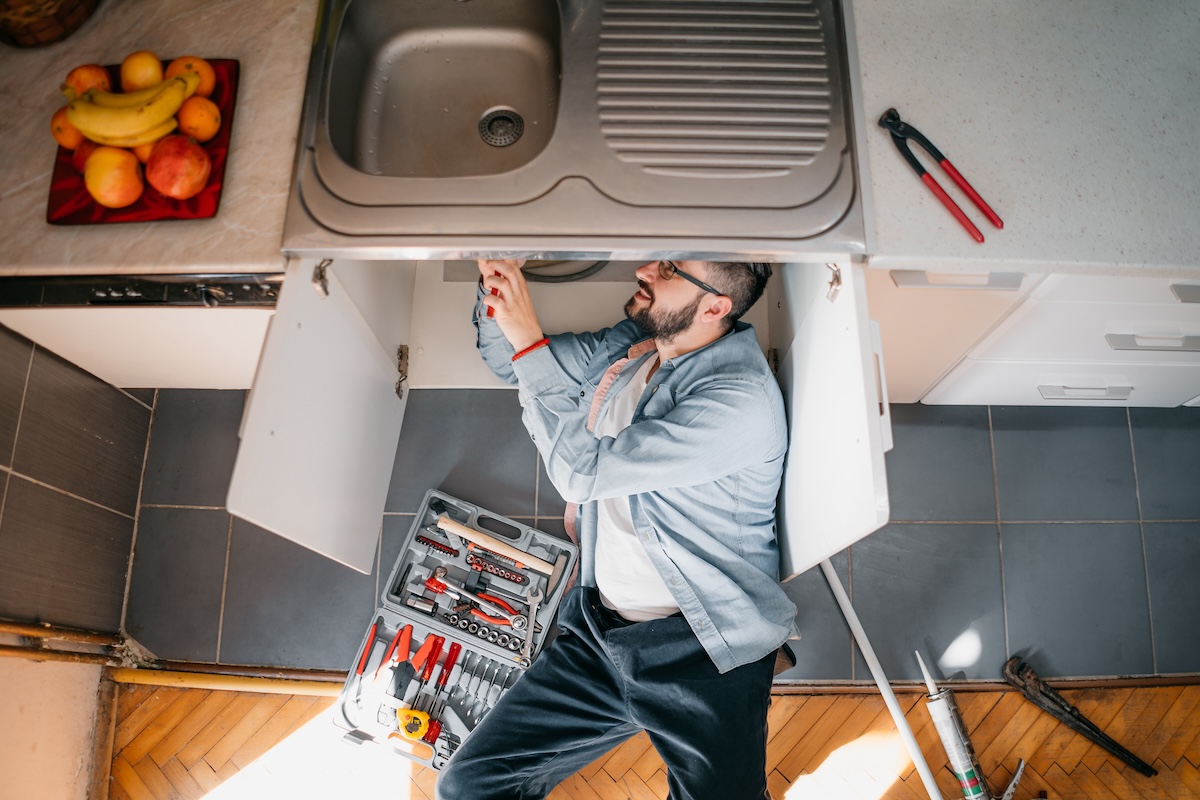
pixel 901 132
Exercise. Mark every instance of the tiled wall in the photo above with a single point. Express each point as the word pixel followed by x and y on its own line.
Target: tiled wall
pixel 1013 530
pixel 71 452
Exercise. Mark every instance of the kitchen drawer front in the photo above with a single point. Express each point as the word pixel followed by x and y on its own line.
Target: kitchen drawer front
pixel 1113 289
pixel 1042 383
pixel 1102 332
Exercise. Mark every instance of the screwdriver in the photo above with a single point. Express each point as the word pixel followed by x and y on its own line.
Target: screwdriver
pixel 399 648
pixel 435 727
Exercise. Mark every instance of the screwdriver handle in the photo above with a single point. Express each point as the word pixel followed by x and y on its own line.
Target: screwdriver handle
pixel 451 658
pixel 431 662
pixel 422 655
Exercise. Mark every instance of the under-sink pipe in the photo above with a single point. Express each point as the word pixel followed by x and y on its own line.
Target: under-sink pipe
pixel 46 654
pixel 225 683
pixel 62 634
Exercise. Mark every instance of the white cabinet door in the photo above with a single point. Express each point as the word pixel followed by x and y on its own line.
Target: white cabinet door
pixel 834 486
pixel 323 419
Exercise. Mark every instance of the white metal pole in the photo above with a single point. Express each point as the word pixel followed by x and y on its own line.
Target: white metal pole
pixel 860 636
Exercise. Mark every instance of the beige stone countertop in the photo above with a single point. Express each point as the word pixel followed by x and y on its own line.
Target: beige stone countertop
pixel 271 40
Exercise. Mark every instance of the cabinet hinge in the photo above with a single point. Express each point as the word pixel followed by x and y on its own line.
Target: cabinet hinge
pixel 402 368
pixel 320 281
pixel 835 282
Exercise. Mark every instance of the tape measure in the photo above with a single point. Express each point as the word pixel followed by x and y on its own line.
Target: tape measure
pixel 413 723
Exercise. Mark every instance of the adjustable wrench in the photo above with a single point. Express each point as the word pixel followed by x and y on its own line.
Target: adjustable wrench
pixel 534 597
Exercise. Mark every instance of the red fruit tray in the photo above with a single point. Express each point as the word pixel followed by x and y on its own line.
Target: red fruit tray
pixel 70 203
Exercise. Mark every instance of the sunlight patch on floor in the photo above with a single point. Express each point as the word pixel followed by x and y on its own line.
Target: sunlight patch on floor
pixel 862 770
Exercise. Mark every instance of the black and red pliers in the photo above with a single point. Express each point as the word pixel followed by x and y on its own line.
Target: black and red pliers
pixel 901 133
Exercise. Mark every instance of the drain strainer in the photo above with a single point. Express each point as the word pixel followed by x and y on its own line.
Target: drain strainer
pixel 500 127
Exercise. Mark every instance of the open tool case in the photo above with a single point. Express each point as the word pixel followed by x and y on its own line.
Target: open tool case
pixel 453 631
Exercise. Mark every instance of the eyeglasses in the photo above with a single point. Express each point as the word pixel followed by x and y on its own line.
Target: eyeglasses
pixel 669 269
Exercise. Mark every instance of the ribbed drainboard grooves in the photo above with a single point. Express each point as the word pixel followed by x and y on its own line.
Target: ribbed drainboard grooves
pixel 716 88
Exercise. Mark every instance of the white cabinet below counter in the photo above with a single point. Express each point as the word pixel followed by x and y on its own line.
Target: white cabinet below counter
pixel 1087 340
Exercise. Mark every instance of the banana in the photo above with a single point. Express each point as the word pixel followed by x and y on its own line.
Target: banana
pixel 96 121
pixel 130 99
pixel 152 135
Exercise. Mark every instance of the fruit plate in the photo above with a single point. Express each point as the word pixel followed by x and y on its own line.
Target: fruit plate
pixel 70 203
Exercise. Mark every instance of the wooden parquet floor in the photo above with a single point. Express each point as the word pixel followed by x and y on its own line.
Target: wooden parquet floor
pixel 177 743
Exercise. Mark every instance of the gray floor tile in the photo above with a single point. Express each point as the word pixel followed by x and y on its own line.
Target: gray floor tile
pixel 145 395
pixel 1064 464
pixel 941 465
pixel 62 560
pixel 178 574
pixel 193 444
pixel 395 533
pixel 14 366
pixel 470 444
pixel 82 435
pixel 1172 558
pixel 933 588
pixel 1166 442
pixel 1076 598
pixel 549 502
pixel 290 607
pixel 823 652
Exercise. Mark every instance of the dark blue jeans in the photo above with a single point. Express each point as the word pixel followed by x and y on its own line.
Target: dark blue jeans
pixel 600 682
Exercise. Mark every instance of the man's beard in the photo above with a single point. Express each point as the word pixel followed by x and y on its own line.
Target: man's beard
pixel 665 325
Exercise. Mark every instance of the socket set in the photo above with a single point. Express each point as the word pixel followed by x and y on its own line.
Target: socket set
pixel 466 609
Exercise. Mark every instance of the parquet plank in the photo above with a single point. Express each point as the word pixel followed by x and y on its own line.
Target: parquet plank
pixel 777 785
pixel 1188 775
pixel 1062 785
pixel 1192 751
pixel 162 725
pixel 649 763
pixel 117 792
pixel 1091 785
pixel 1124 785
pixel 781 711
pixel 795 730
pixel 1162 700
pixel 1119 729
pixel 1168 782
pixel 215 730
pixel 862 713
pixel 1164 743
pixel 579 789
pixel 143 715
pixel 318 708
pixel 622 759
pixel 184 783
pixel 1101 706
pixel 154 779
pixel 636 787
pixel 203 774
pixel 185 731
pixel 799 758
pixel 658 784
pixel 272 732
pixel 130 696
pixel 124 775
pixel 1030 743
pixel 423 779
pixel 243 730
pixel 991 753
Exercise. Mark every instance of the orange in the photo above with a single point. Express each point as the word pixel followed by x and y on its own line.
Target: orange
pixel 142 151
pixel 140 70
pixel 64 132
pixel 113 177
pixel 199 118
pixel 208 77
pixel 84 77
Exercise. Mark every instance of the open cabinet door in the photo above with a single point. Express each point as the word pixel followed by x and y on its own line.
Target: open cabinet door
pixel 831 373
pixel 322 421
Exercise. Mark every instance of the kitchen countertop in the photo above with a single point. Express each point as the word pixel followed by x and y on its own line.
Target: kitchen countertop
pixel 1076 121
pixel 270 38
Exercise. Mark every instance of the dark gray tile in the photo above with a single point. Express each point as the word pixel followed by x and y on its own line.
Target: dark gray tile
pixel 1076 597
pixel 1064 463
pixel 82 435
pixel 14 366
pixel 1166 442
pixel 391 545
pixel 933 588
pixel 193 444
pixel 549 502
pixel 287 606
pixel 175 592
pixel 145 395
pixel 1172 561
pixel 941 465
pixel 62 560
pixel 470 444
pixel 823 651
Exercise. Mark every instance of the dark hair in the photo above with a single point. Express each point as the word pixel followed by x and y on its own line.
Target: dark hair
pixel 742 282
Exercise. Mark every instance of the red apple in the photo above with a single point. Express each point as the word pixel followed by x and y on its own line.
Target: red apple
pixel 80 156
pixel 178 167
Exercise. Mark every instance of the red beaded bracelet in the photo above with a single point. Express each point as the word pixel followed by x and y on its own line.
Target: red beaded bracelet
pixel 545 341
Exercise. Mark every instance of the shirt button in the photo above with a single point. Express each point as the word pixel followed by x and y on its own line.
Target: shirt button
pixel 581 394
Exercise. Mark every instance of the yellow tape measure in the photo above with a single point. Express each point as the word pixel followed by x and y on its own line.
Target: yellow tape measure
pixel 413 723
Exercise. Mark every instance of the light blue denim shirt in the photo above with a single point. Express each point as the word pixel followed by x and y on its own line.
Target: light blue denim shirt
pixel 701 463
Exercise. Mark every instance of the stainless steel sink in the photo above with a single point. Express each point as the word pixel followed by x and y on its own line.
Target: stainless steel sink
pixel 436 89
pixel 577 128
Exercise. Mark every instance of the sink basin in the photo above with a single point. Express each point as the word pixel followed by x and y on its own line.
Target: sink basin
pixel 441 88
pixel 576 129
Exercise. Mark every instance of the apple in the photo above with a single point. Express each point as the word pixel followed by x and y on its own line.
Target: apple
pixel 113 177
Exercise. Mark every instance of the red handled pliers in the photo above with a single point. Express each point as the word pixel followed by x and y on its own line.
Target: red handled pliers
pixel 901 133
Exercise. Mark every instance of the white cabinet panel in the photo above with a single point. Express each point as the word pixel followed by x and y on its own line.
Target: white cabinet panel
pixel 1049 384
pixel 1116 289
pixel 835 486
pixel 319 436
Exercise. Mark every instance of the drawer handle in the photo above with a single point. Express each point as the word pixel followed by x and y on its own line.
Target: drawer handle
pixel 1134 341
pixel 989 281
pixel 1186 292
pixel 1085 392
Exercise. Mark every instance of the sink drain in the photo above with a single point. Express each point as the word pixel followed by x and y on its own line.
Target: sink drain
pixel 500 127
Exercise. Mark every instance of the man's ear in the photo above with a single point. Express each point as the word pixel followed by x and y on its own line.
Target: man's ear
pixel 718 308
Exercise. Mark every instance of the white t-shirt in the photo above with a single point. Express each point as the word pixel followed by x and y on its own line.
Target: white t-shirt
pixel 628 583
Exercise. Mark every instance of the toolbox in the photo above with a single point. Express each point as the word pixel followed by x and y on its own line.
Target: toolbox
pixel 466 609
